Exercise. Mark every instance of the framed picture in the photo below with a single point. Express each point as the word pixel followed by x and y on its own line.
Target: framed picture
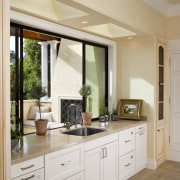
pixel 130 108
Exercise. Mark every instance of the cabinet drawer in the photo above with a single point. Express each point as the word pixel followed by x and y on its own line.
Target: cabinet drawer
pixel 35 175
pixel 27 166
pixel 126 141
pixel 64 163
pixel 142 127
pixel 126 165
pixel 79 176
pixel 101 141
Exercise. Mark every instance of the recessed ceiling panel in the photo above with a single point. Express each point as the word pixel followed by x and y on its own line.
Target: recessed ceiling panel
pixel 43 8
pixel 110 30
pixel 64 12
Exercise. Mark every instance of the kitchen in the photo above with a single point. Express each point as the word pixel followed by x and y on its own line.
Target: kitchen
pixel 148 23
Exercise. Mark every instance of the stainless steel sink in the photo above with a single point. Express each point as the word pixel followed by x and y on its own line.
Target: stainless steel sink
pixel 84 131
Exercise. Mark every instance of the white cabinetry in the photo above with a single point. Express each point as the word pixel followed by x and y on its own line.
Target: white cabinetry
pixel 126 153
pixel 30 169
pixel 141 147
pixel 101 158
pixel 65 163
pixel 79 176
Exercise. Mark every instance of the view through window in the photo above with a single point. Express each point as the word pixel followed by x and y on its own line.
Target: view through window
pixel 57 65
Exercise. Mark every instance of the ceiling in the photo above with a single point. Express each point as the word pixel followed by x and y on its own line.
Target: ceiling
pixel 167 7
pixel 72 14
pixel 75 15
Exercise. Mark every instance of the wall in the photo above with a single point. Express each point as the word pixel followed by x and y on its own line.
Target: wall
pixel 173 26
pixel 5 155
pixel 136 78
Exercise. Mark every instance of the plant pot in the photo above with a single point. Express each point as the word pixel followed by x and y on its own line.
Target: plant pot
pixel 86 116
pixel 41 127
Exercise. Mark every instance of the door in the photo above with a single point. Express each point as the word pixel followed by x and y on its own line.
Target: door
pixel 161 100
pixel 111 161
pixel 174 144
pixel 94 164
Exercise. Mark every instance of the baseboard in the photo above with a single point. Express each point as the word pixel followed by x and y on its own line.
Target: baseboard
pixel 151 164
pixel 174 156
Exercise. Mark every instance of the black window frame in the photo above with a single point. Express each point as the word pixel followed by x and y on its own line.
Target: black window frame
pixel 84 42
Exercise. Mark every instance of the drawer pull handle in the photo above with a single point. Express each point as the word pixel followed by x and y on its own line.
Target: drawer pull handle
pixel 141 133
pixel 132 132
pixel 140 127
pixel 127 141
pixel 32 165
pixel 105 152
pixel 66 163
pixel 126 165
pixel 28 177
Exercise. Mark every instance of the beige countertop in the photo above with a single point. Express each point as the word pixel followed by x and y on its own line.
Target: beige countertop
pixel 35 146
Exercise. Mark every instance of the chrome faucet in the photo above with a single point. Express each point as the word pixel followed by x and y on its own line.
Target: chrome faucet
pixel 71 112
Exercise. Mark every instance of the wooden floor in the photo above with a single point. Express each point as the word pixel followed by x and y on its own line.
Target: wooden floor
pixel 169 170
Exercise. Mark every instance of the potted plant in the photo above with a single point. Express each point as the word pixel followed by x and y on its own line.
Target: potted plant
pixel 85 92
pixel 40 124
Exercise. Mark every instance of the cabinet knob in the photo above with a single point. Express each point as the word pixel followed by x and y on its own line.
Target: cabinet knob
pixel 158 130
pixel 66 163
pixel 126 165
pixel 127 141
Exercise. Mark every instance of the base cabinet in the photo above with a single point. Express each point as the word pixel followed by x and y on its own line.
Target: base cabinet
pixel 101 163
pixel 65 163
pixel 141 147
pixel 79 176
pixel 117 156
pixel 35 175
pixel 126 153
pixel 126 165
pixel 31 169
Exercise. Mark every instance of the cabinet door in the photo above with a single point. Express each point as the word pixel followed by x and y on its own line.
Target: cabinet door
pixel 111 161
pixel 141 150
pixel 94 164
pixel 35 175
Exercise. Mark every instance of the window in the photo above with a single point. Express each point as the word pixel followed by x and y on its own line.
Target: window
pixel 58 64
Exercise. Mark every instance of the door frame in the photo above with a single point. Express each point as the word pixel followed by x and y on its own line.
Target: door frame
pixel 174 48
pixel 161 125
pixel 5 163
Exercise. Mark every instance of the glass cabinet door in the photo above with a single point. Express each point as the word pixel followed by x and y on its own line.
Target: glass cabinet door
pixel 161 83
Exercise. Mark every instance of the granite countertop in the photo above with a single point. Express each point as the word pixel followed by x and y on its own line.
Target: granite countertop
pixel 35 146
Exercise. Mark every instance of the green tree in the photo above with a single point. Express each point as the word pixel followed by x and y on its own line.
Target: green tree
pixel 32 67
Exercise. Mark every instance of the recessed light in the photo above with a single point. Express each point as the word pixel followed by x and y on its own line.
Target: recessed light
pixel 130 37
pixel 84 22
